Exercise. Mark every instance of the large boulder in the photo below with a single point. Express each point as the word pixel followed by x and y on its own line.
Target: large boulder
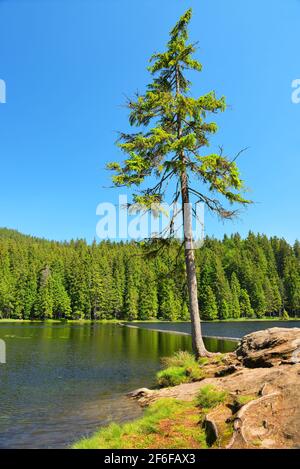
pixel 270 347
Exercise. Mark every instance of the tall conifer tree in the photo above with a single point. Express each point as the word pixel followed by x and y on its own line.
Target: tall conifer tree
pixel 172 149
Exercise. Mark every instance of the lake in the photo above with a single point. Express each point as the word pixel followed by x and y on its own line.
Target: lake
pixel 230 329
pixel 62 381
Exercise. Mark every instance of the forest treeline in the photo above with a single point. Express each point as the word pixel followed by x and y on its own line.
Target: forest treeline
pixel 252 277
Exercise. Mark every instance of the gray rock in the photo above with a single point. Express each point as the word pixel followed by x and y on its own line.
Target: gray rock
pixel 270 347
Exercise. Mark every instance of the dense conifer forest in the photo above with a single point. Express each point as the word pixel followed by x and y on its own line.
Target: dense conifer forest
pixel 252 277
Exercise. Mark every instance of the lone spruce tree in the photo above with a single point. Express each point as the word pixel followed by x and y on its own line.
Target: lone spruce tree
pixel 172 149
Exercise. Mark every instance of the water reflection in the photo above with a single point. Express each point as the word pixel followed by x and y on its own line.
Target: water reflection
pixel 63 381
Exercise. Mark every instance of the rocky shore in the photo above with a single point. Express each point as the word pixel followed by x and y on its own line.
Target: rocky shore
pixel 262 378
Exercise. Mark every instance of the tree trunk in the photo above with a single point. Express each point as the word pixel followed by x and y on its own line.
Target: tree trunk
pixel 197 341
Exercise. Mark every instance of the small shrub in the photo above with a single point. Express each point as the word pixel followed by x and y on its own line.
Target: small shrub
pixel 210 397
pixel 172 376
pixel 180 358
pixel 194 372
pixel 180 368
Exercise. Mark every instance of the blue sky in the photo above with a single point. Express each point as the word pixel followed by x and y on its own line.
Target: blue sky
pixel 67 65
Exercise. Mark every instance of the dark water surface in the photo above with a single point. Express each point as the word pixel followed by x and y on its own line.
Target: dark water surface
pixel 61 381
pixel 230 329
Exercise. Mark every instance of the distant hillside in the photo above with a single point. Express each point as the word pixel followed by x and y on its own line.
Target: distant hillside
pixel 42 279
pixel 12 234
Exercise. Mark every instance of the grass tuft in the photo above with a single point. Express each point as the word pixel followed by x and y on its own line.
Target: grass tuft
pixel 172 376
pixel 243 399
pixel 180 358
pixel 210 397
pixel 180 368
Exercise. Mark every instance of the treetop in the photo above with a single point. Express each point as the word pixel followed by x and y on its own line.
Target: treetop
pixel 180 130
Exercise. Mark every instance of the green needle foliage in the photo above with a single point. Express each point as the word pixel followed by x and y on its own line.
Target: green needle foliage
pixel 158 151
pixel 42 279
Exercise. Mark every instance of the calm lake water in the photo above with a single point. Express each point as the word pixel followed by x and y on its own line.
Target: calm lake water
pixel 61 381
pixel 234 330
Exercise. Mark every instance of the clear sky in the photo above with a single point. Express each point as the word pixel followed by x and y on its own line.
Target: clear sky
pixel 67 65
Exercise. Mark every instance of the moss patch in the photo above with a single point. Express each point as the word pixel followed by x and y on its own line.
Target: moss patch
pixel 243 399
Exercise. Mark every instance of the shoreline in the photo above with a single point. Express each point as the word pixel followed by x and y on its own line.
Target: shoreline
pixel 232 339
pixel 239 400
pixel 152 321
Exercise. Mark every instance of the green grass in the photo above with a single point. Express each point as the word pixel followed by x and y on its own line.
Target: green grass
pixel 218 358
pixel 180 358
pixel 47 321
pixel 210 397
pixel 103 321
pixel 55 321
pixel 146 431
pixel 172 376
pixel 203 361
pixel 245 398
pixel 100 321
pixel 177 369
pixel 256 442
pixel 167 423
pixel 264 318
